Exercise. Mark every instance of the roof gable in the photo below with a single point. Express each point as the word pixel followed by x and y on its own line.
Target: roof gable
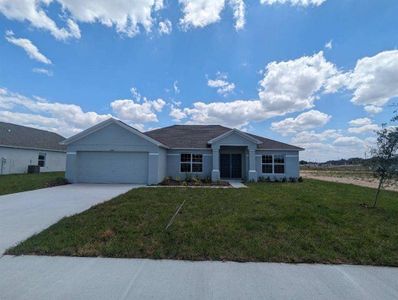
pixel 232 132
pixel 105 124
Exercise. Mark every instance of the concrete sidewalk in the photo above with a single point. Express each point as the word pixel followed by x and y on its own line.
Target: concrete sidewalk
pixel 35 277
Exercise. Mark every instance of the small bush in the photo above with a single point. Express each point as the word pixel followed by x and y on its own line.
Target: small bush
pixel 300 179
pixel 284 179
pixel 292 179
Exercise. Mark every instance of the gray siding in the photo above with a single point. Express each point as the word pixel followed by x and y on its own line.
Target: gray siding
pixel 14 160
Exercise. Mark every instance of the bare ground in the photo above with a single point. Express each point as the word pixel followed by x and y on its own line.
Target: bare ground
pixel 348 179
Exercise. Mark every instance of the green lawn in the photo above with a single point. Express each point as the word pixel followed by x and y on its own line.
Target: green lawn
pixel 313 221
pixel 25 182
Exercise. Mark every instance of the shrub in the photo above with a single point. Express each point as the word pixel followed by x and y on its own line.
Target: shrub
pixel 284 179
pixel 300 179
pixel 292 179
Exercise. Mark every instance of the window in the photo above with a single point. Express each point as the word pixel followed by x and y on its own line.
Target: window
pixel 279 164
pixel 273 164
pixel 41 161
pixel 191 163
pixel 267 164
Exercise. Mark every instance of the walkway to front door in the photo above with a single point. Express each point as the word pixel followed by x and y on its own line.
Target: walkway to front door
pixel 230 165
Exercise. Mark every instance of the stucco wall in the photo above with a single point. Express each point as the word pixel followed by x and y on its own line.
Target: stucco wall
pixel 115 139
pixel 17 160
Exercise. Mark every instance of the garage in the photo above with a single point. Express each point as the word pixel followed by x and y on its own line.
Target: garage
pixel 112 167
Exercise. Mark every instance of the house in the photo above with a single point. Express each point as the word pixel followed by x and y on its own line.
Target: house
pixel 114 152
pixel 21 146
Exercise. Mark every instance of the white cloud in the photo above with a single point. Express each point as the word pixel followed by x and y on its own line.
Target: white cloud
pixel 43 71
pixel 201 13
pixel 306 137
pixel 294 2
pixel 360 122
pixel 363 129
pixel 126 16
pixel 175 87
pixel 30 49
pixel 374 80
pixel 66 119
pixel 165 27
pixel 238 7
pixel 177 114
pixel 293 85
pixel 372 109
pixel 287 87
pixel 362 125
pixel 329 45
pixel 33 11
pixel 307 120
pixel 139 109
pixel 221 84
pixel 346 141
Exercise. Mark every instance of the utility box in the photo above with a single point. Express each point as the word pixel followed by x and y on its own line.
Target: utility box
pixel 33 169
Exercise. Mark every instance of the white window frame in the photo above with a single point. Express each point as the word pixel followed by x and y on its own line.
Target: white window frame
pixel 273 164
pixel 43 160
pixel 191 162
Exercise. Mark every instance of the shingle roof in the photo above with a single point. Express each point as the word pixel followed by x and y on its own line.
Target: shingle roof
pixel 197 136
pixel 27 137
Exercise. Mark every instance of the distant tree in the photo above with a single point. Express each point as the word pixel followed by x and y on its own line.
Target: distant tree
pixel 303 162
pixel 384 161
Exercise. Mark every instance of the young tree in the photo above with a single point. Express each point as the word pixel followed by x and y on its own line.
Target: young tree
pixel 384 162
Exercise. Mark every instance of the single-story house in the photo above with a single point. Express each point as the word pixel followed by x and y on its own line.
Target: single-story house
pixel 21 146
pixel 114 152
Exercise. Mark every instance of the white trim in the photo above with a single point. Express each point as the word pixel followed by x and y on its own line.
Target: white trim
pixel 71 153
pixel 291 156
pixel 207 154
pixel 242 134
pixel 106 123
pixel 153 153
pixel 192 149
pixel 173 154
pixel 273 163
pixel 251 171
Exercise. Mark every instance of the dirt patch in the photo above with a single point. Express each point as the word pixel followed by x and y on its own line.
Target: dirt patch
pixel 366 182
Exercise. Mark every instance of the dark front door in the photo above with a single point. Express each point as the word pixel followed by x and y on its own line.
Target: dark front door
pixel 231 165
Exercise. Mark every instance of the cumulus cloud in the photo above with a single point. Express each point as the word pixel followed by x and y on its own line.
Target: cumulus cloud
pixel 294 2
pixel 66 119
pixel 374 80
pixel 177 114
pixel 347 141
pixel 139 109
pixel 31 50
pixel 127 16
pixel 201 13
pixel 221 84
pixel 305 121
pixel 362 125
pixel 373 109
pixel 165 27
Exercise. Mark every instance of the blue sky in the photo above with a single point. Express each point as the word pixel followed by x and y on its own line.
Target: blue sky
pixel 316 73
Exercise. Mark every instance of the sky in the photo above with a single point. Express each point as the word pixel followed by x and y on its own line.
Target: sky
pixel 320 74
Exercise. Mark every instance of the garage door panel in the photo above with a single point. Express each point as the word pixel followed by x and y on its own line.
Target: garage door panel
pixel 112 167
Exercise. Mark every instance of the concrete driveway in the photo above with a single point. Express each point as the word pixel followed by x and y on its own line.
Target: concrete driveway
pixel 27 213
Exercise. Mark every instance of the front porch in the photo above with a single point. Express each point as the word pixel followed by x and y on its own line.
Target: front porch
pixel 234 157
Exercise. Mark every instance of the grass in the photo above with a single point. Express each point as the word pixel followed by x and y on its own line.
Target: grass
pixel 313 221
pixel 16 183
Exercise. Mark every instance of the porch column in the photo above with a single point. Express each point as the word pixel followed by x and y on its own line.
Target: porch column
pixel 252 165
pixel 215 173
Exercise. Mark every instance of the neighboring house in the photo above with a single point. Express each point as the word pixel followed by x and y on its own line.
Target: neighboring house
pixel 113 152
pixel 21 146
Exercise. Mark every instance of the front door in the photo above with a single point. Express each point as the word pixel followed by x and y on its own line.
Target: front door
pixel 230 165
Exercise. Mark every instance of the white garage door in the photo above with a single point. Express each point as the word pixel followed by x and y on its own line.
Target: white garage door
pixel 112 167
